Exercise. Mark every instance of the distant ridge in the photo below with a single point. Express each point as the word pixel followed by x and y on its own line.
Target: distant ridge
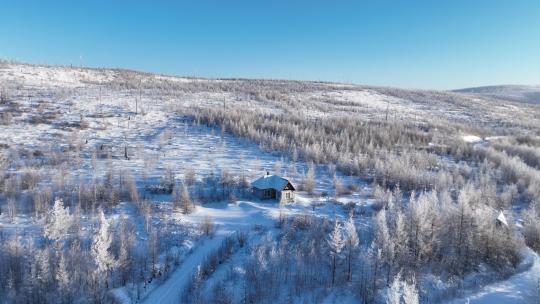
pixel 521 93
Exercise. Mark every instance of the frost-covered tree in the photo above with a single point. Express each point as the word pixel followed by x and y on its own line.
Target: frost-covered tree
pixel 185 200
pixel 62 276
pixel 189 176
pixel 208 226
pixel 338 186
pixel 424 223
pixel 44 273
pixel 531 228
pixel 393 294
pixel 335 243
pixel 410 293
pixel 309 183
pixel 351 241
pixel 402 292
pixel 58 223
pixel 127 242
pixel 101 249
pixel 12 209
pixel 277 167
pixel 385 243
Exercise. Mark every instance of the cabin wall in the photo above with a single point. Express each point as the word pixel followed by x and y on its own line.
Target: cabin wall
pixel 264 193
pixel 286 196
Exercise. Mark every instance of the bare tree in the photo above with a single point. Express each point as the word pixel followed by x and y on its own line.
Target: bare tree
pixel 310 179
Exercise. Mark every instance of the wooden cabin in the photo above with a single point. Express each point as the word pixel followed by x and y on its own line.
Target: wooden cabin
pixel 273 187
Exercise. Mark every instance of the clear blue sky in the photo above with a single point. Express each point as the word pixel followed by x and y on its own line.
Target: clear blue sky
pixel 418 44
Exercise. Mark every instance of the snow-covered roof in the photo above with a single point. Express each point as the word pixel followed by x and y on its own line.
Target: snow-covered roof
pixel 502 219
pixel 270 182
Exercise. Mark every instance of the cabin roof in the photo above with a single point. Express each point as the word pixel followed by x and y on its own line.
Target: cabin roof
pixel 270 182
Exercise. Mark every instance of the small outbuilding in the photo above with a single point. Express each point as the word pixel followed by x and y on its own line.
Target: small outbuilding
pixel 501 219
pixel 273 187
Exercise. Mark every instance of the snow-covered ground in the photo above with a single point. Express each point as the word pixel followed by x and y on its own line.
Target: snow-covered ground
pixel 229 218
pixel 242 216
pixel 171 290
pixel 158 141
pixel 523 287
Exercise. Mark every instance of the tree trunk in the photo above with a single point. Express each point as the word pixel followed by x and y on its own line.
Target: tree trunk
pixel 349 275
pixel 333 269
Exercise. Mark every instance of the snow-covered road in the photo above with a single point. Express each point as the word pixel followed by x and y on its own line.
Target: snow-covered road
pixel 171 290
pixel 229 218
pixel 523 287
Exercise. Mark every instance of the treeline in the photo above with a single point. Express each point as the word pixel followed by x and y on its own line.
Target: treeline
pixel 388 152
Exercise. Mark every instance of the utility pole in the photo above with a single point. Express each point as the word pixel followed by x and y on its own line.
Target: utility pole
pixel 140 97
pixel 387 107
pixel 125 148
pixel 101 107
pixel 125 140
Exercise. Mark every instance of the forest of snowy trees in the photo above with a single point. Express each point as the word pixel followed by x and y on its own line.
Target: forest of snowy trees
pixel 99 184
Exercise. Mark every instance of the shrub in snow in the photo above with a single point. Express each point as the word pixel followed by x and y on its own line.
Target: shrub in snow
pixel 207 226
pixel 531 228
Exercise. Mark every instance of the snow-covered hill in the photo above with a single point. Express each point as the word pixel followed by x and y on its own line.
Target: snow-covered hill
pixel 521 93
pixel 169 160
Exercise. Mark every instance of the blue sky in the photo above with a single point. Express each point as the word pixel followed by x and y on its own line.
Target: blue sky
pixel 415 44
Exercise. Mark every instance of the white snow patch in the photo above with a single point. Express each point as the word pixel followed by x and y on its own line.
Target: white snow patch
pixel 472 139
pixel 519 288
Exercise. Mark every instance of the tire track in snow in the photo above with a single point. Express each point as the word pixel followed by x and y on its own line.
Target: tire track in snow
pixel 171 290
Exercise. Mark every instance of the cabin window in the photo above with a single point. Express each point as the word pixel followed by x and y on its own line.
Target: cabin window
pixel 267 193
pixel 288 195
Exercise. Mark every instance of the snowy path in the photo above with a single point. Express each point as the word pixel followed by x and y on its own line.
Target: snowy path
pixel 171 290
pixel 228 218
pixel 520 288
